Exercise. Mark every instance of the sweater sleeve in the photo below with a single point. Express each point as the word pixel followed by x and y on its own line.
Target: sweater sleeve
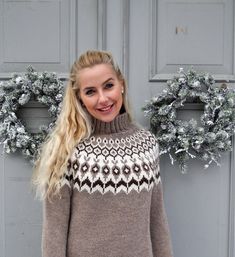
pixel 56 217
pixel 159 228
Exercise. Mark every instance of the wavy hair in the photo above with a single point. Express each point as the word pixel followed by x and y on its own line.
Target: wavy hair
pixel 72 126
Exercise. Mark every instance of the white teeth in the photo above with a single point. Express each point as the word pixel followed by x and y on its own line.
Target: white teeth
pixel 105 109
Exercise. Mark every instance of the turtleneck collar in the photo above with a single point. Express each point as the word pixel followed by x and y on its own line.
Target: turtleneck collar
pixel 120 123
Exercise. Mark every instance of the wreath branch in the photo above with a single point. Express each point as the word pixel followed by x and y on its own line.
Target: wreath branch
pixel 183 140
pixel 43 87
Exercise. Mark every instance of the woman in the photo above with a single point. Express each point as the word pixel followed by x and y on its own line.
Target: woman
pixel 98 173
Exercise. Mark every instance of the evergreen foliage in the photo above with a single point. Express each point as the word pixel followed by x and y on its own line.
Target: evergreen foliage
pixel 183 140
pixel 45 88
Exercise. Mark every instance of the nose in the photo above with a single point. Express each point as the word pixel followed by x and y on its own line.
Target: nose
pixel 103 98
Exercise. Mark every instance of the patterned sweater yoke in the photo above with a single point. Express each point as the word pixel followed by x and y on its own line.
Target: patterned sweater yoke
pixel 111 200
pixel 118 157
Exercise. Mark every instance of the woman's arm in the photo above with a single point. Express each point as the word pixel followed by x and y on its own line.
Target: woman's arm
pixel 56 217
pixel 159 229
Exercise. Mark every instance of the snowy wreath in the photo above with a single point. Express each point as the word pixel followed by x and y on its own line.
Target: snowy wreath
pixel 183 140
pixel 44 88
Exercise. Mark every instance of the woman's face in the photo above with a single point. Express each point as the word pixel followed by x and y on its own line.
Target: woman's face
pixel 101 91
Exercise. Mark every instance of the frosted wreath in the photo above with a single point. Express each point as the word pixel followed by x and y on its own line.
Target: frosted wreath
pixel 45 88
pixel 183 140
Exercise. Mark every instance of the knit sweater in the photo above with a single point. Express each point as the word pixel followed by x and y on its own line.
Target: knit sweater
pixel 111 200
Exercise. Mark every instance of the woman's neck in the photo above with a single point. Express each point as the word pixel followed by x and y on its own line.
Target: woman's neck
pixel 120 123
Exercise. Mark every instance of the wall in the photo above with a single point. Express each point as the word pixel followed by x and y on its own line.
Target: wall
pixel 150 39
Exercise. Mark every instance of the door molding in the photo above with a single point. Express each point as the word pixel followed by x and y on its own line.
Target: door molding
pixel 154 75
pixel 102 19
pixel 231 236
pixel 2 204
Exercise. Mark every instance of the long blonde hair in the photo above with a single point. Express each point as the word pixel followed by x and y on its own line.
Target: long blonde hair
pixel 72 126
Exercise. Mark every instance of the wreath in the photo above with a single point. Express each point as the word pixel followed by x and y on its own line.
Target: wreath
pixel 183 140
pixel 44 88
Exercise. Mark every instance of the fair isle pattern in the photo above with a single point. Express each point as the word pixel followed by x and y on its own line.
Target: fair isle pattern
pixel 108 164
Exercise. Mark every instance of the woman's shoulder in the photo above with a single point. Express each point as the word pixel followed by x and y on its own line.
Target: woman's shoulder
pixel 145 131
pixel 146 136
pixel 134 135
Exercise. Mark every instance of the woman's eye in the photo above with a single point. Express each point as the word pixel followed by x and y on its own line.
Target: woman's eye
pixel 89 92
pixel 109 85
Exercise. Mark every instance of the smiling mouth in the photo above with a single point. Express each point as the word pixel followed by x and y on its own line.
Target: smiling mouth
pixel 106 109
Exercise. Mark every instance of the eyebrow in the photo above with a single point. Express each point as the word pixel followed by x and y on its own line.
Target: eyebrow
pixel 90 87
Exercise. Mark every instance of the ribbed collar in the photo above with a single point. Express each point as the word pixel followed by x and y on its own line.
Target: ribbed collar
pixel 119 124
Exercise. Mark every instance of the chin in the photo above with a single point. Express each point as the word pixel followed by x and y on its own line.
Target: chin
pixel 106 118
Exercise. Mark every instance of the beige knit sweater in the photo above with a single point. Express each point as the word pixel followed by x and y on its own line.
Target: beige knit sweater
pixel 111 202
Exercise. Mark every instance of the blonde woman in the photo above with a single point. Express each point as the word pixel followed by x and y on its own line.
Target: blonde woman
pixel 98 172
